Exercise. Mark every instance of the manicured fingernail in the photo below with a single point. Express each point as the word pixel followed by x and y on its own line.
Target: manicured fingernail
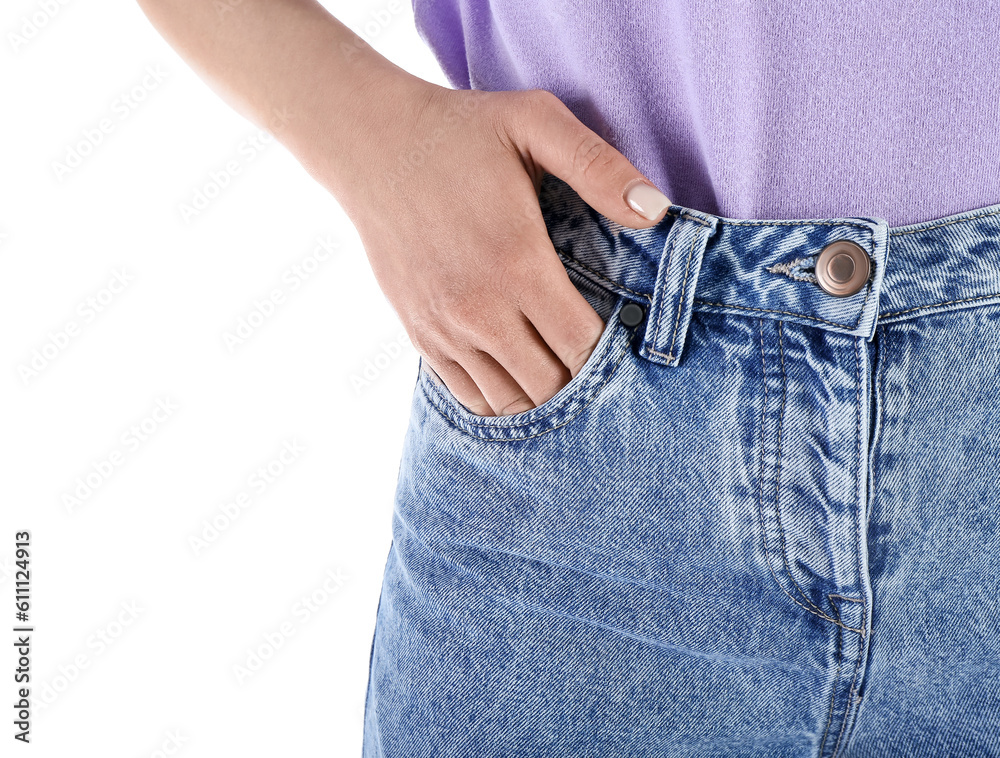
pixel 646 200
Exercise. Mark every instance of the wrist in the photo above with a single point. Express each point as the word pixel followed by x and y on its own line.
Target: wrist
pixel 343 128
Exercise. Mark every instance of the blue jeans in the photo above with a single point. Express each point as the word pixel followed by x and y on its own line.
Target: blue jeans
pixel 764 521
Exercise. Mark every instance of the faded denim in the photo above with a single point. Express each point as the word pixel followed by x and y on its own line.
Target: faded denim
pixel 763 522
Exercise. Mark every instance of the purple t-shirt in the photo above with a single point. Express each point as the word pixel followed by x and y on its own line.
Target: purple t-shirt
pixel 759 108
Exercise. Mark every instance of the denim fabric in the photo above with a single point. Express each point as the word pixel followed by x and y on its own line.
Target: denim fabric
pixel 762 522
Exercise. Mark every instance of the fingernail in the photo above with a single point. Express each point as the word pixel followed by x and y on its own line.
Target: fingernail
pixel 646 200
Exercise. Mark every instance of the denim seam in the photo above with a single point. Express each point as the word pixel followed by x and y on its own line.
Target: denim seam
pixel 612 282
pixel 854 683
pixel 689 216
pixel 861 451
pixel 832 595
pixel 680 305
pixel 864 606
pixel 836 681
pixel 851 705
pixel 680 300
pixel 760 491
pixel 875 419
pixel 944 223
pixel 879 419
pixel 850 697
pixel 777 476
pixel 457 424
pixel 732 222
pixel 855 711
pixel 649 298
pixel 792 313
pixel 666 277
pixel 936 305
pixel 580 279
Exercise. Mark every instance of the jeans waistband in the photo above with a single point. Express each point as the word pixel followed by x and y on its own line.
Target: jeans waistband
pixel 696 261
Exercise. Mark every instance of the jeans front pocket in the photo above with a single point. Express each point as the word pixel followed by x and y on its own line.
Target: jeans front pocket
pixel 568 403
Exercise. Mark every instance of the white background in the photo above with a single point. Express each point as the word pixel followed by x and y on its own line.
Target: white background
pixel 159 624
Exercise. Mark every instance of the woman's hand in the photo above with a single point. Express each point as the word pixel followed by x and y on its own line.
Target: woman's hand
pixel 445 198
pixel 441 184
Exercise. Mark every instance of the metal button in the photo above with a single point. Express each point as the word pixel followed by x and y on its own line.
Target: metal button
pixel 842 268
pixel 631 314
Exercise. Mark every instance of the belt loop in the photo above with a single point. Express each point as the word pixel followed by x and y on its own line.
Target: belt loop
pixel 676 280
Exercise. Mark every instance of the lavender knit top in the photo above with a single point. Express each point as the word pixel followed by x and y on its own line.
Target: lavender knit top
pixel 767 109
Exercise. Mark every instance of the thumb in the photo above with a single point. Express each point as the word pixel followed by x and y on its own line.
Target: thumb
pixel 552 137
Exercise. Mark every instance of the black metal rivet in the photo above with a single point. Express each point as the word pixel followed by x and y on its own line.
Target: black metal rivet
pixel 631 314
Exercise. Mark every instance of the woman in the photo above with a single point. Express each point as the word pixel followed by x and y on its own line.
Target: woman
pixel 711 476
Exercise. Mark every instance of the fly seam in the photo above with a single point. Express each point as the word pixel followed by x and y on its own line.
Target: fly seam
pixel 760 499
pixel 857 534
pixel 777 475
pixel 832 595
pixel 854 683
pixel 864 606
pixel 836 678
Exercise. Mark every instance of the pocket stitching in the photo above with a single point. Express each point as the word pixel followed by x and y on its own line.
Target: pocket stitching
pixel 458 423
pixel 486 423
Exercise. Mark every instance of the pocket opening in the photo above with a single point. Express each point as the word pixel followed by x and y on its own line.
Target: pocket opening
pixel 571 399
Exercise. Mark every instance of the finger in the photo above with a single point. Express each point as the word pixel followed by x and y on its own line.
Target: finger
pixel 493 392
pixel 560 143
pixel 517 346
pixel 460 384
pixel 504 395
pixel 561 315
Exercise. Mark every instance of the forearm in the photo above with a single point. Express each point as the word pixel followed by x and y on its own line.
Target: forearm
pixel 292 68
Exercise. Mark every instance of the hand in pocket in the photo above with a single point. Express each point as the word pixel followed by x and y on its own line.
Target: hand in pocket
pixel 459 247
